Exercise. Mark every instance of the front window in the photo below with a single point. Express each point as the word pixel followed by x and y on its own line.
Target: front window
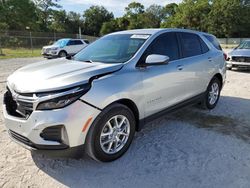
pixel 244 45
pixel 61 43
pixel 117 48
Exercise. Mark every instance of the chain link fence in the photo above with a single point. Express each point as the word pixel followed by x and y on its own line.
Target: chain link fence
pixel 30 39
pixel 36 40
pixel 231 42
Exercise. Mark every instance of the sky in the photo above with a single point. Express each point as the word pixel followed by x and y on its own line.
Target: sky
pixel 116 6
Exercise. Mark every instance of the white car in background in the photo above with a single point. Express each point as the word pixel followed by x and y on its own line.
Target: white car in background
pixel 64 47
pixel 239 57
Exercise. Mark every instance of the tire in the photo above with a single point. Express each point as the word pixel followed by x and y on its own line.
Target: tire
pixel 96 146
pixel 62 54
pixel 213 90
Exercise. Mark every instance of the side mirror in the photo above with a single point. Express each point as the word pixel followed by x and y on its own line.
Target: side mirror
pixel 156 59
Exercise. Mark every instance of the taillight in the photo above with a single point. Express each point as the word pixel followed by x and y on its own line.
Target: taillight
pixel 225 56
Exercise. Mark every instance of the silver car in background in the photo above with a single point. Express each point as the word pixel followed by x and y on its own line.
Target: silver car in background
pixel 239 57
pixel 97 99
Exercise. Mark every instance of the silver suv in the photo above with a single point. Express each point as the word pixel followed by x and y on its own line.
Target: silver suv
pixel 106 92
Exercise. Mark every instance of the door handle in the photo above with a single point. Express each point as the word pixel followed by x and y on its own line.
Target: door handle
pixel 179 67
pixel 210 59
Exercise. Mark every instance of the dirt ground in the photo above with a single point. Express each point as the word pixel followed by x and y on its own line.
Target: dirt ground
pixel 190 148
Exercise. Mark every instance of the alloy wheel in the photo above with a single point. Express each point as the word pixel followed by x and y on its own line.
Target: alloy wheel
pixel 115 134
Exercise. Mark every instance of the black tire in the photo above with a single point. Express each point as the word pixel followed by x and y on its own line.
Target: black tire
pixel 206 104
pixel 93 145
pixel 62 54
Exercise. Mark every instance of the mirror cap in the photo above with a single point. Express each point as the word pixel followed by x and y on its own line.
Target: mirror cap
pixel 156 59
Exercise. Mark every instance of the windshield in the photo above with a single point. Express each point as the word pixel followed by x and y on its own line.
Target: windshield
pixel 117 48
pixel 61 43
pixel 244 45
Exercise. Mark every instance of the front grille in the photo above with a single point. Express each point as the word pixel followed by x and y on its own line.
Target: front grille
pixel 241 59
pixel 17 107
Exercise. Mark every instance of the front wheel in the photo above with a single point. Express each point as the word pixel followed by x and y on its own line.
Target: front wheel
pixel 111 133
pixel 62 54
pixel 212 94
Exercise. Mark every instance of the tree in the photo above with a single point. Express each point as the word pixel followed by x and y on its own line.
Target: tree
pixel 123 23
pixel 17 14
pixel 45 9
pixel 59 21
pixel 109 27
pixel 133 13
pixel 191 14
pixel 74 21
pixel 229 18
pixel 153 16
pixel 134 8
pixel 94 17
pixel 169 10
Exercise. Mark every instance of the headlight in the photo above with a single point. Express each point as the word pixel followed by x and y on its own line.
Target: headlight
pixel 61 99
pixel 54 48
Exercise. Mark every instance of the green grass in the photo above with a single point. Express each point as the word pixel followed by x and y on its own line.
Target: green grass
pixel 19 52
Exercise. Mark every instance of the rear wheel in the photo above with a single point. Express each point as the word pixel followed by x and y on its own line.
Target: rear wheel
pixel 111 133
pixel 212 94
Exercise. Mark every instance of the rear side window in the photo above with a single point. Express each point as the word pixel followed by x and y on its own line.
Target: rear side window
pixel 74 42
pixel 165 44
pixel 191 44
pixel 78 42
pixel 214 41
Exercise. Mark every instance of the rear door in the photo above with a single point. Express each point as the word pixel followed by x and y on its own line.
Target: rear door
pixel 79 45
pixel 196 63
pixel 74 46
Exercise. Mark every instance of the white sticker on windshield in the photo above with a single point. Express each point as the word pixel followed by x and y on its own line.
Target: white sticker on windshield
pixel 136 36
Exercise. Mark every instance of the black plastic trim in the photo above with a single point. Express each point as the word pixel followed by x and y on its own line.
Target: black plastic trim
pixel 194 100
pixel 19 138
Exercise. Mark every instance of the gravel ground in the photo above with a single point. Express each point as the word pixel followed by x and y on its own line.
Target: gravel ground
pixel 190 148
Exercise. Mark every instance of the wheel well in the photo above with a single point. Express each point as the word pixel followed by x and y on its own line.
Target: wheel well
pixel 62 51
pixel 132 106
pixel 218 75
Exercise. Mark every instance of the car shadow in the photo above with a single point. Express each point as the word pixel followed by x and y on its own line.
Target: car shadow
pixel 161 145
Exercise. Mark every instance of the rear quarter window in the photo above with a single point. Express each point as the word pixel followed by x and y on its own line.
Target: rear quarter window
pixel 191 44
pixel 213 41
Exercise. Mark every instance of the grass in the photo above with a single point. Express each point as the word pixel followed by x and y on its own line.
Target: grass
pixel 19 52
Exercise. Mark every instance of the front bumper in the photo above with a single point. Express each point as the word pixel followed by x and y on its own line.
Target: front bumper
pixel 50 54
pixel 231 64
pixel 72 118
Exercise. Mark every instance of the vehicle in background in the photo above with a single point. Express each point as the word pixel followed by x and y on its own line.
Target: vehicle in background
pixel 64 47
pixel 239 57
pixel 100 97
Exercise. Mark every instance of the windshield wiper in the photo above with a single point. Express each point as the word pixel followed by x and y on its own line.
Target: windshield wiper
pixel 70 57
pixel 88 61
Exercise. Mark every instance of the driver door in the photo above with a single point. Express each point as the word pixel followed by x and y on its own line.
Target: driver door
pixel 164 85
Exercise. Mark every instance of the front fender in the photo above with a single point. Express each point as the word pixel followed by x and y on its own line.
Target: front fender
pixel 116 86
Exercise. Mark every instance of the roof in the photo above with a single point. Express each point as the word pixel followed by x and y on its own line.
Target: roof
pixel 154 31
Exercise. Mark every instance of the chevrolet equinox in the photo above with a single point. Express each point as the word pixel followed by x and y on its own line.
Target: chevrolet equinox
pixel 102 95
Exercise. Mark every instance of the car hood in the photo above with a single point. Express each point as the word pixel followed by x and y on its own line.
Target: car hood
pixel 240 52
pixel 56 74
